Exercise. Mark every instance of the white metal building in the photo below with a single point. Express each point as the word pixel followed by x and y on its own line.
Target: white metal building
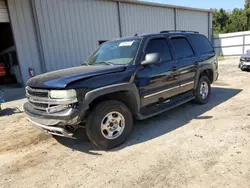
pixel 55 34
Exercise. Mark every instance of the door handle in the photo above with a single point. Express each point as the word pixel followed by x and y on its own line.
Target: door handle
pixel 174 68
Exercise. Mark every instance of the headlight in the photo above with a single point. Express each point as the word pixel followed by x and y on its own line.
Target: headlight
pixel 62 94
pixel 242 59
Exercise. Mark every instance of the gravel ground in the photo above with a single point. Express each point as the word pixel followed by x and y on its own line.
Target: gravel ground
pixel 189 146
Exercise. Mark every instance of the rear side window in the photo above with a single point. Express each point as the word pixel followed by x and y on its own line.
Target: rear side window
pixel 160 46
pixel 201 43
pixel 182 47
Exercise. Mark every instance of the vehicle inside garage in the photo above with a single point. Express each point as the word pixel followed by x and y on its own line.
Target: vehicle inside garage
pixel 8 58
pixel 9 69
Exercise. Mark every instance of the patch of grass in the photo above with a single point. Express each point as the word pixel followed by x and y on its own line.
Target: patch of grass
pixel 220 57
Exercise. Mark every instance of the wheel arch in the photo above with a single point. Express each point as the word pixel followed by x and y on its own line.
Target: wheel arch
pixel 126 93
pixel 206 71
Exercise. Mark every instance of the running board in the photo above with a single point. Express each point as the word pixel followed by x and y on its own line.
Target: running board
pixel 165 106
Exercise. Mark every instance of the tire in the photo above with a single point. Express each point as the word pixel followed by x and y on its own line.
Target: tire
pixel 202 98
pixel 97 121
pixel 243 69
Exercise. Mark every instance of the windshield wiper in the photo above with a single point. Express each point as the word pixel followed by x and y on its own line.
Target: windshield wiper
pixel 105 62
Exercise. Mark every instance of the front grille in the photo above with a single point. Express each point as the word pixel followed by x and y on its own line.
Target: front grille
pixel 40 100
pixel 37 92
pixel 39 106
pixel 245 59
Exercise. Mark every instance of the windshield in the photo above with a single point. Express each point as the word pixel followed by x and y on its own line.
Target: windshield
pixel 119 52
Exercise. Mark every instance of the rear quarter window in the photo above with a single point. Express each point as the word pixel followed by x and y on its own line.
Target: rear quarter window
pixel 201 44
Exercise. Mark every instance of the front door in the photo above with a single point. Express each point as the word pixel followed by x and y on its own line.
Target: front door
pixel 187 61
pixel 158 82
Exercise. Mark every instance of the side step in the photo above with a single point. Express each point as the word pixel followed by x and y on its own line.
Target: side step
pixel 165 105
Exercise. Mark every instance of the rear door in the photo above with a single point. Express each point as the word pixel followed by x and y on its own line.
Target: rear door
pixel 187 61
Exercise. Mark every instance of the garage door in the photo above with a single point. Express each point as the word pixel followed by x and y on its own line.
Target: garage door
pixel 3 12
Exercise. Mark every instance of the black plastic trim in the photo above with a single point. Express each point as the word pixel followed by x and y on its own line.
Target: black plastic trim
pixel 92 95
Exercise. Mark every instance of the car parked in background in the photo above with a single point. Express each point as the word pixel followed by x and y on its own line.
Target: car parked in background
pixel 134 77
pixel 245 61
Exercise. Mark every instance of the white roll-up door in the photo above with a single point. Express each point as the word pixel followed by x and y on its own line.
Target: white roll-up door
pixel 4 17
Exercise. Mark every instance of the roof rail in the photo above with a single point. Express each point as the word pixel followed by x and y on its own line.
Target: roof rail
pixel 171 31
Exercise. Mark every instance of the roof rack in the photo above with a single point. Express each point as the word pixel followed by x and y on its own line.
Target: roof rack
pixel 171 31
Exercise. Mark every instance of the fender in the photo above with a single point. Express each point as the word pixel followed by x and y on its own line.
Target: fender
pixel 199 71
pixel 93 94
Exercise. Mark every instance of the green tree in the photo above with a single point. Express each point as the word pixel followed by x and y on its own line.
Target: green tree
pixel 247 4
pixel 220 20
pixel 237 21
pixel 247 11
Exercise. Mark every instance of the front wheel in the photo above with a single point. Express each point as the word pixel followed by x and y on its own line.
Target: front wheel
pixel 203 90
pixel 243 69
pixel 109 124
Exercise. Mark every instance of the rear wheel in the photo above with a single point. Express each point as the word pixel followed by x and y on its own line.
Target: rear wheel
pixel 203 90
pixel 109 124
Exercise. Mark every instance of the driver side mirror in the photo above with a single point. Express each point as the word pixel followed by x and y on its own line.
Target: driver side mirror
pixel 151 59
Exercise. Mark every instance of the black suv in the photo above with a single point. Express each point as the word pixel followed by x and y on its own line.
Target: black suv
pixel 135 77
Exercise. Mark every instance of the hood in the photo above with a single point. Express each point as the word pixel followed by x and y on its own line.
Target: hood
pixel 60 79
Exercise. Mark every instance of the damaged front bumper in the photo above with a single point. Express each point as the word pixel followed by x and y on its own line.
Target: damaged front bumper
pixel 55 123
pixel 54 116
pixel 58 131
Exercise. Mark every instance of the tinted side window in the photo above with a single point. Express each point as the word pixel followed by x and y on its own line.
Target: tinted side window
pixel 201 43
pixel 159 46
pixel 182 47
